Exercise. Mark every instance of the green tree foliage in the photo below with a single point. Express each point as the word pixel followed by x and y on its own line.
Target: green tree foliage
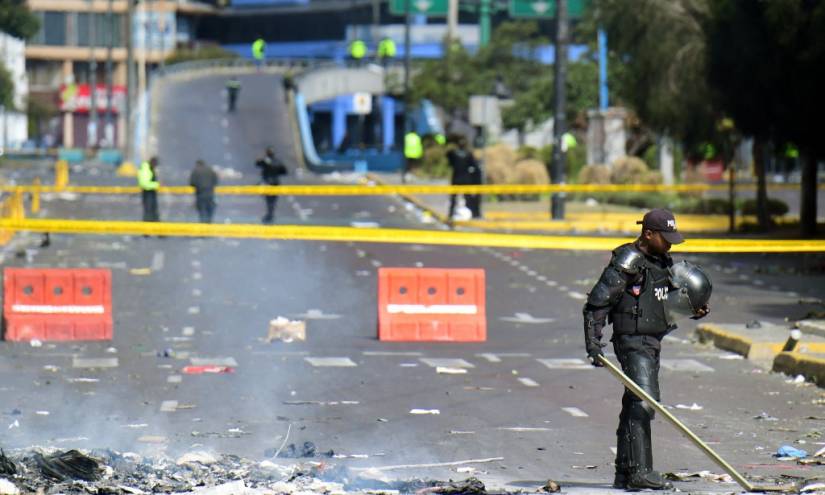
pixel 6 88
pixel 17 20
pixel 448 82
pixel 765 64
pixel 661 43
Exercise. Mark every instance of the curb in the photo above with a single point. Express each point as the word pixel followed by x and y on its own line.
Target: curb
pixel 812 327
pixel 811 366
pixel 750 348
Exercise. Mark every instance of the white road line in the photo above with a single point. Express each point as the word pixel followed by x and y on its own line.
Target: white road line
pixel 575 412
pixel 689 365
pixel 157 261
pixel 490 357
pixel 541 278
pixel 566 364
pixel 446 363
pixel 340 362
pixel 522 429
pixel 174 379
pixel 391 353
pixel 196 264
pixel 169 406
pixel 552 283
pixel 214 361
pixel 576 295
pixel 197 276
pixel 532 273
pixel 563 288
pixel 188 331
pixel 78 362
pixel 193 310
pixel 196 292
pixel 528 382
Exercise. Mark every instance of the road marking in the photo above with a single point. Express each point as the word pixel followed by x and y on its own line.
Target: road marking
pixel 196 264
pixel 490 357
pixel 566 364
pixel 690 365
pixel 95 362
pixel 376 263
pixel 446 363
pixel 196 292
pixel 552 283
pixel 157 261
pixel 340 362
pixel 391 353
pixel 214 361
pixel 174 379
pixel 541 278
pixel 575 412
pixel 193 310
pixel 526 318
pixel 197 276
pixel 524 268
pixel 169 406
pixel 521 429
pixel 532 273
pixel 317 314
pixel 365 225
pixel 528 382
pixel 563 288
pixel 576 295
pixel 188 331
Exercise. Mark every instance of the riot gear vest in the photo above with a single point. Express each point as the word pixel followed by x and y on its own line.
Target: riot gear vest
pixel 641 309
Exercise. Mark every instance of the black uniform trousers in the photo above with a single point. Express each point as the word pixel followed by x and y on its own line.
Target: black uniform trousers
pixel 150 206
pixel 639 358
pixel 205 204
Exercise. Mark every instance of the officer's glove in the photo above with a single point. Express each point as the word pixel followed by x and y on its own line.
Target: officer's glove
pixel 701 313
pixel 593 352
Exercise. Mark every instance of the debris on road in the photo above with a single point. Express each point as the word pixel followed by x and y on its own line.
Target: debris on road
pixel 763 416
pixel 8 488
pixel 69 465
pixel 550 487
pixel 705 475
pixel 199 370
pixel 788 451
pixel 446 370
pixel 203 458
pixel 286 330
pixel 470 486
pixel 7 466
pixel 292 451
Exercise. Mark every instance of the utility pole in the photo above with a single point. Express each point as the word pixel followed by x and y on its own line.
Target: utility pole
pixel 557 172
pixel 604 98
pixel 407 50
pixel 130 79
pixel 484 22
pixel 91 139
pixel 109 133
pixel 452 22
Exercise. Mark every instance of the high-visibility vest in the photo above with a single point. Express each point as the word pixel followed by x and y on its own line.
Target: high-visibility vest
pixel 146 177
pixel 440 139
pixel 357 49
pixel 412 145
pixel 568 142
pixel 259 49
pixel 386 48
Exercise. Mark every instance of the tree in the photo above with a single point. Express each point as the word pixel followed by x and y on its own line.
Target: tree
pixel 765 63
pixel 17 20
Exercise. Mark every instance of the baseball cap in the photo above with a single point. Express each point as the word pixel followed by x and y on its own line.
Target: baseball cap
pixel 661 220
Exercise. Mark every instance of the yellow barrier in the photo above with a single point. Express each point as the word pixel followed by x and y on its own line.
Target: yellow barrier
pixel 11 210
pixel 61 175
pixel 36 195
pixel 378 190
pixel 396 236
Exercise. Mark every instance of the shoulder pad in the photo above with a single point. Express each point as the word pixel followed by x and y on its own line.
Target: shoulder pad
pixel 628 259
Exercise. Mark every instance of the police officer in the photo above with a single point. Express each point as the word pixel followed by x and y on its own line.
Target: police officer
pixel 357 50
pixel 466 171
pixel 233 87
pixel 149 183
pixel 271 171
pixel 386 50
pixel 413 152
pixel 631 293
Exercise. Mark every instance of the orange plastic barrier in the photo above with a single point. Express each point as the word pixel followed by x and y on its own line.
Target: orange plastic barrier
pixel 57 304
pixel 431 304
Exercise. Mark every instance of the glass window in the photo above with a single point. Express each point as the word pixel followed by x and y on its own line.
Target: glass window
pixel 52 29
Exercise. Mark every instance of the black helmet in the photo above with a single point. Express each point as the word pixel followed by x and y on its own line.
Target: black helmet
pixel 690 290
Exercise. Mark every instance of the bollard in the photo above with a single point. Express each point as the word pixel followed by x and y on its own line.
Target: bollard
pixel 61 174
pixel 36 195
pixel 793 340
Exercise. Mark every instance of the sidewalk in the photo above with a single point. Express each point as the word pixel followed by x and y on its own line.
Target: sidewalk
pixel 535 215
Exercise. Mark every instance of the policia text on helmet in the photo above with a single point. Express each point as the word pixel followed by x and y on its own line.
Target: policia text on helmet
pixel 631 294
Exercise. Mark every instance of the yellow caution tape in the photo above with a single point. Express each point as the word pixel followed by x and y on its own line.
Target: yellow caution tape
pixel 379 190
pixel 396 236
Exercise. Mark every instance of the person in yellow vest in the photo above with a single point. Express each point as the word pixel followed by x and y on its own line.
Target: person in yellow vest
pixel 386 50
pixel 357 50
pixel 148 182
pixel 259 51
pixel 413 152
pixel 440 139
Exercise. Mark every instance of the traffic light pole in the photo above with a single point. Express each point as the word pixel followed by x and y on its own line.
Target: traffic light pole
pixel 557 172
pixel 484 22
pixel 407 49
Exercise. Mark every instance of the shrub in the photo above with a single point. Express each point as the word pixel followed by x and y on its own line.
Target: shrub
pixel 434 163
pixel 628 170
pixel 594 174
pixel 203 52
pixel 776 207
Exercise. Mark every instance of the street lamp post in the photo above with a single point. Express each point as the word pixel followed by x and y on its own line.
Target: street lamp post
pixel 559 120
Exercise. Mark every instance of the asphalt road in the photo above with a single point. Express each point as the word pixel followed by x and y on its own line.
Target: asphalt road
pixel 527 397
